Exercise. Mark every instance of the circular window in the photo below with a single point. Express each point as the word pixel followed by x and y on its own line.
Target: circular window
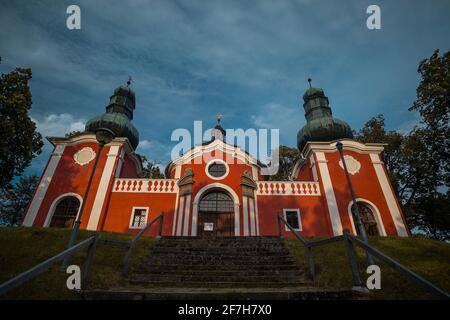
pixel 217 170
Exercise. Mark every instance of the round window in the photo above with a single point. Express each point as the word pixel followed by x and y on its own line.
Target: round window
pixel 217 169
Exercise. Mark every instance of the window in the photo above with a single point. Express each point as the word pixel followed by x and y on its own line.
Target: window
pixel 217 169
pixel 216 202
pixel 367 219
pixel 65 213
pixel 139 218
pixel 292 216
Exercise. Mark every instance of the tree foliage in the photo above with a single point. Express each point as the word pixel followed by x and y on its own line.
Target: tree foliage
pixel 14 199
pixel 150 169
pixel 19 140
pixel 418 162
pixel 288 158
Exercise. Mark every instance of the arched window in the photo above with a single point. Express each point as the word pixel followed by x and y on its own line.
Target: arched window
pixel 367 219
pixel 65 213
pixel 216 201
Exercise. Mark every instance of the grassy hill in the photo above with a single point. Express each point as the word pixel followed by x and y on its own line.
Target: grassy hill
pixel 22 248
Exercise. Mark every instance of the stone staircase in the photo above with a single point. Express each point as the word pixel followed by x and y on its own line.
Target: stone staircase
pixel 220 263
pixel 219 268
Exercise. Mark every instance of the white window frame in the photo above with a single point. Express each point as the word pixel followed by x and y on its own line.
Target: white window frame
pixel 132 217
pixel 227 169
pixel 300 227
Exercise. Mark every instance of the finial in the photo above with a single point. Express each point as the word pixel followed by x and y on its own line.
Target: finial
pixel 129 80
pixel 309 80
pixel 218 117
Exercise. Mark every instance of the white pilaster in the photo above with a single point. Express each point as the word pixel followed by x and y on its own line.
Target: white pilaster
pixel 180 216
pixel 388 195
pixel 252 217
pixel 245 215
pixel 329 194
pixel 186 215
pixel 41 191
pixel 105 180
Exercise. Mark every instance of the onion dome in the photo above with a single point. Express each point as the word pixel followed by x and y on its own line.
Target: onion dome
pixel 118 115
pixel 320 126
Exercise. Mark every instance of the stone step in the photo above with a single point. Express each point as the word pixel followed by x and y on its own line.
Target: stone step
pixel 213 278
pixel 222 251
pixel 192 256
pixel 222 284
pixel 218 262
pixel 238 293
pixel 222 273
pixel 208 268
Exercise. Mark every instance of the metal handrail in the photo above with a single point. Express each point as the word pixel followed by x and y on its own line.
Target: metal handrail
pixel 91 243
pixel 132 242
pixel 303 241
pixel 349 240
pixel 308 244
pixel 405 272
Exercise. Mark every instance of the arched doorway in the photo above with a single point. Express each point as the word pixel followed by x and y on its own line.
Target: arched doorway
pixel 65 212
pixel 368 219
pixel 216 215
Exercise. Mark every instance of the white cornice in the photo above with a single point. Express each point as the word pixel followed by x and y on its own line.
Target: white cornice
pixel 348 144
pixel 198 150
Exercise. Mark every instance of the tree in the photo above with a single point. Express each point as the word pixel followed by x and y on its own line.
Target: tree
pixel 428 208
pixel 150 169
pixel 288 158
pixel 374 131
pixel 14 199
pixel 418 162
pixel 72 134
pixel 19 140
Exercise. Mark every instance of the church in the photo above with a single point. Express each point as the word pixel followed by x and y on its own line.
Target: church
pixel 216 198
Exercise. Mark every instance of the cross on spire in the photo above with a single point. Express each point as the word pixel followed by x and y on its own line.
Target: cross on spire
pixel 218 117
pixel 309 80
pixel 129 80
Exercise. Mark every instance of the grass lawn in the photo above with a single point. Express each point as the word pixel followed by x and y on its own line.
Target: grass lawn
pixel 23 248
pixel 428 258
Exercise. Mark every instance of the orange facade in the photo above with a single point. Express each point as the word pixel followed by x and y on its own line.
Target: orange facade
pixel 120 201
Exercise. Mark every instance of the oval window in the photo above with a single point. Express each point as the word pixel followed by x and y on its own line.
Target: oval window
pixel 217 169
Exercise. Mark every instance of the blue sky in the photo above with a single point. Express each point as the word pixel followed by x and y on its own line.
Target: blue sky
pixel 248 60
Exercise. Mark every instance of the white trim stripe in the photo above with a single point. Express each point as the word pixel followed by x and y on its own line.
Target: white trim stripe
pixel 252 217
pixel 245 215
pixel 329 194
pixel 186 215
pixel 99 200
pixel 43 186
pixel 180 216
pixel 389 196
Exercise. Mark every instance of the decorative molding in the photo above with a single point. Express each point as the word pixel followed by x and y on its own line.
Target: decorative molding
pixel 288 188
pixel 84 156
pixel 353 165
pixel 248 185
pixel 318 146
pixel 145 185
pixel 186 182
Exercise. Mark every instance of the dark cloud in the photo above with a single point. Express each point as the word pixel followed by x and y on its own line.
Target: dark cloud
pixel 193 58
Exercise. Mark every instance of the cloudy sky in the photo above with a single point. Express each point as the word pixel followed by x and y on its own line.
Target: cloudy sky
pixel 248 60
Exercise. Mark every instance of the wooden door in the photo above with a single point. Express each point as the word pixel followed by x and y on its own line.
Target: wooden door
pixel 214 224
pixel 216 215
